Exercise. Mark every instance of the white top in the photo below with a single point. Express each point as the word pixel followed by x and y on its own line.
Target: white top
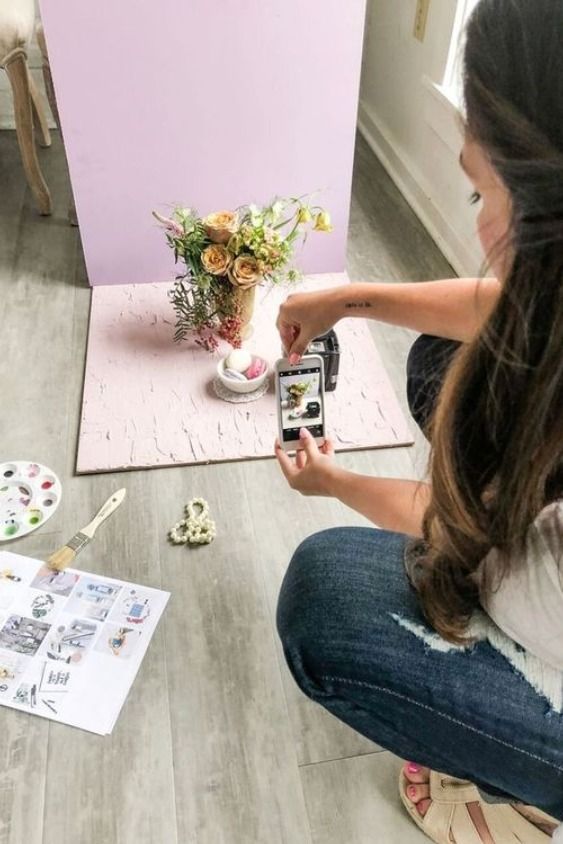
pixel 528 604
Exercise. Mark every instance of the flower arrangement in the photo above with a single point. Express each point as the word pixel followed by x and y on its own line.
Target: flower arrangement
pixel 226 255
pixel 297 392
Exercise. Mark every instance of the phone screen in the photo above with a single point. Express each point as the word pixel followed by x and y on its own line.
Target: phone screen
pixel 301 400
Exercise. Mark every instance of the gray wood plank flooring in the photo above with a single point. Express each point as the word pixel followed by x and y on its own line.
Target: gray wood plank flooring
pixel 234 758
pixel 356 801
pixel 215 744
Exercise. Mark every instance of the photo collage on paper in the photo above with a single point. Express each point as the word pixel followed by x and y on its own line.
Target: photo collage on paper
pixel 53 625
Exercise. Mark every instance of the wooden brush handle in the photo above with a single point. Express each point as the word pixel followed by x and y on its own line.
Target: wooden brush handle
pixel 106 510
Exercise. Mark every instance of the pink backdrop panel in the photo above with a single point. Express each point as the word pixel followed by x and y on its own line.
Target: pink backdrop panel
pixel 150 402
pixel 202 104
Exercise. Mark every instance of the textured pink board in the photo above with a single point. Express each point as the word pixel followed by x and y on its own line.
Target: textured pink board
pixel 211 105
pixel 150 402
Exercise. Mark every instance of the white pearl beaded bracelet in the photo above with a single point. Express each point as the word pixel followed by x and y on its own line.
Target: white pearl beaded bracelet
pixel 196 528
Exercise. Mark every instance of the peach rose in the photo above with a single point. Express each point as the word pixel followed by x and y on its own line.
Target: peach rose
pixel 216 259
pixel 245 272
pixel 220 226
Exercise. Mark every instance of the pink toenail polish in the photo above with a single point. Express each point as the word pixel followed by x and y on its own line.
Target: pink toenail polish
pixel 412 768
pixel 412 791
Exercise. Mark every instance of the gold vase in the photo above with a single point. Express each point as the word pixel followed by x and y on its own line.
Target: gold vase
pixel 245 300
pixel 296 402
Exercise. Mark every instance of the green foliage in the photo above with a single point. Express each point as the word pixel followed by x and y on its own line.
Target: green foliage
pixel 299 389
pixel 200 303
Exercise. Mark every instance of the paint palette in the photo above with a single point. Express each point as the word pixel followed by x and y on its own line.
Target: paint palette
pixel 29 495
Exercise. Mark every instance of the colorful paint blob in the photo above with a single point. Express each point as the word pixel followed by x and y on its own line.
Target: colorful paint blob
pixel 46 485
pixel 10 530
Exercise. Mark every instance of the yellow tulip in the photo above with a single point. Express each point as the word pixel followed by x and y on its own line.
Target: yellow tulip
pixel 323 222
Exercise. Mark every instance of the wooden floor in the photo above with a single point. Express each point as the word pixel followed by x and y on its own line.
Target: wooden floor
pixel 215 744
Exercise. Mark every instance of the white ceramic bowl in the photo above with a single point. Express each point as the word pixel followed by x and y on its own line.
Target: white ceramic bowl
pixel 241 386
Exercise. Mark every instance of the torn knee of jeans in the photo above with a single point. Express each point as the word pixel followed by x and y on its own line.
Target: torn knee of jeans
pixel 431 639
pixel 543 678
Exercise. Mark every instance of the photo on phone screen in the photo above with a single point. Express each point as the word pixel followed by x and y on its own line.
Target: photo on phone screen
pixel 301 397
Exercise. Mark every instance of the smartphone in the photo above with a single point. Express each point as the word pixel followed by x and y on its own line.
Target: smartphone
pixel 300 399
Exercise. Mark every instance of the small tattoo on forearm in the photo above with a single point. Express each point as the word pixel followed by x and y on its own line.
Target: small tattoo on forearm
pixel 352 305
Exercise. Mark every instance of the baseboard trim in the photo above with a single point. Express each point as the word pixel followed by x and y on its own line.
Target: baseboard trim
pixel 414 188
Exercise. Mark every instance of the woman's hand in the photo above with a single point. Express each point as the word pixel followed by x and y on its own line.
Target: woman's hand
pixel 304 316
pixel 390 503
pixel 313 470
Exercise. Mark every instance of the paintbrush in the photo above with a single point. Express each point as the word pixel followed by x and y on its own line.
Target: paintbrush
pixel 65 555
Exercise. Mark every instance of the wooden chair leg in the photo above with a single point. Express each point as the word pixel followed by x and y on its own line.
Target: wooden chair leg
pixel 40 118
pixel 16 68
pixel 49 88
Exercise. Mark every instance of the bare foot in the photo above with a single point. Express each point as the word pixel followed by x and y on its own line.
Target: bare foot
pixel 418 791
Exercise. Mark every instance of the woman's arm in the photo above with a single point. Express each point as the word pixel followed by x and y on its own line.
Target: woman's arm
pixel 391 503
pixel 454 308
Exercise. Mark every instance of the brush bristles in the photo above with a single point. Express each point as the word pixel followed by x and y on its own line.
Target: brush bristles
pixel 61 558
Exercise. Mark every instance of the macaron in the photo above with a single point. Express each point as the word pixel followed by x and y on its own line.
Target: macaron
pixel 234 375
pixel 239 360
pixel 256 368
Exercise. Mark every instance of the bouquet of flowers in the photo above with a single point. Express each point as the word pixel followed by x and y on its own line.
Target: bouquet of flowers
pixel 297 392
pixel 226 255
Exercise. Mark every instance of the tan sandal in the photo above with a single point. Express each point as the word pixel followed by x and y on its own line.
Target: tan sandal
pixel 448 821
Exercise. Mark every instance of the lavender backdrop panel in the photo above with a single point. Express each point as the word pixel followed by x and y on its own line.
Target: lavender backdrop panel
pixel 202 104
pixel 149 402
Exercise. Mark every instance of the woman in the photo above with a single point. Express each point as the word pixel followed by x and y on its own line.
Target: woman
pixel 456 659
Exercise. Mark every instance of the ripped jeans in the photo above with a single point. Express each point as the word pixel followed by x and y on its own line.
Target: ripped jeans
pixel 346 615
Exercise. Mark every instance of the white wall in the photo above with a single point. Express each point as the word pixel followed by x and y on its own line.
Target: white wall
pixel 412 128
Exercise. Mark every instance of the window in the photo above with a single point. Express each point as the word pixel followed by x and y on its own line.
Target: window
pixel 451 86
pixel 445 100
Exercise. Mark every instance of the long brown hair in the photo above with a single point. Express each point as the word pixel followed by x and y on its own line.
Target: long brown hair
pixel 497 432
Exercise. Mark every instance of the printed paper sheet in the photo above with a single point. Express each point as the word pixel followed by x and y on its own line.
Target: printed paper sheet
pixel 71 642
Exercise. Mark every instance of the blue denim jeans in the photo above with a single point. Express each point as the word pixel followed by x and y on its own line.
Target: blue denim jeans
pixel 465 713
